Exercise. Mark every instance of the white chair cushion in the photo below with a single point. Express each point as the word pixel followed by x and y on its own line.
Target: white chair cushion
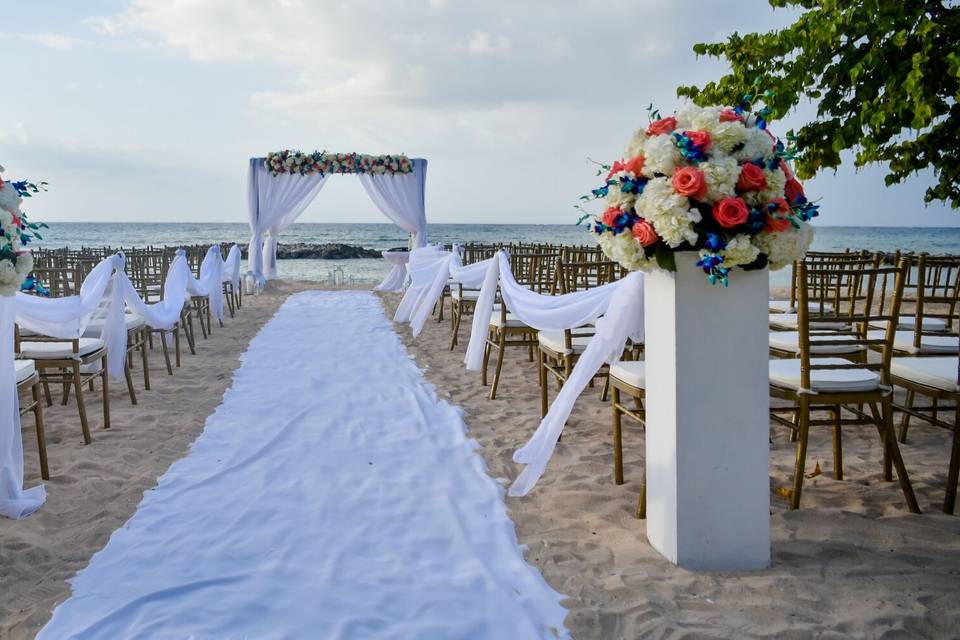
pixel 468 294
pixel 786 373
pixel 553 341
pixel 131 320
pixel 59 350
pixel 784 306
pixel 790 341
pixel 633 372
pixel 512 321
pixel 788 321
pixel 92 367
pixel 903 341
pixel 909 323
pixel 937 372
pixel 24 369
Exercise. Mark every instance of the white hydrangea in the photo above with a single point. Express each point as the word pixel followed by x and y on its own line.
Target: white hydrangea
pixel 776 182
pixel 725 136
pixel 785 247
pixel 9 199
pixel 619 199
pixel 624 249
pixel 24 265
pixel 721 175
pixel 635 146
pixel 757 144
pixel 693 117
pixel 9 278
pixel 661 155
pixel 739 251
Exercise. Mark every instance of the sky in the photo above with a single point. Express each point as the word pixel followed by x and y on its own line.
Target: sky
pixel 147 110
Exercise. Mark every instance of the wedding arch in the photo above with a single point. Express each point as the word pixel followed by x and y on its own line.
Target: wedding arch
pixel 281 185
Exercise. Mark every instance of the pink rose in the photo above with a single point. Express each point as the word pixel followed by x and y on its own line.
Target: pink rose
pixel 729 115
pixel 793 190
pixel 610 216
pixel 661 126
pixel 689 181
pixel 730 212
pixel 781 222
pixel 634 165
pixel 644 233
pixel 751 178
pixel 700 139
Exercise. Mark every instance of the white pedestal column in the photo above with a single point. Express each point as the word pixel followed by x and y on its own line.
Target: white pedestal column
pixel 708 496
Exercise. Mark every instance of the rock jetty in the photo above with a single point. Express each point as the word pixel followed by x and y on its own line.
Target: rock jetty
pixel 331 251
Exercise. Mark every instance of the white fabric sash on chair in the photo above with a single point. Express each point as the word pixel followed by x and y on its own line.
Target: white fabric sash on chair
pixel 421 268
pixel 15 502
pixel 231 267
pixel 398 271
pixel 210 283
pixel 623 319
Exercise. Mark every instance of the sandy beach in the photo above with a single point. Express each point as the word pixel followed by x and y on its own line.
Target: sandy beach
pixel 853 562
pixel 94 489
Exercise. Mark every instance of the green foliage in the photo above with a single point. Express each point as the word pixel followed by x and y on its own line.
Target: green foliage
pixel 884 74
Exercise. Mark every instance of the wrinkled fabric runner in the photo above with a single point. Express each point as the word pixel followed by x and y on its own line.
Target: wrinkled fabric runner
pixel 331 495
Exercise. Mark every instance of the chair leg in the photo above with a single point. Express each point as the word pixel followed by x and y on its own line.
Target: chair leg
pixel 890 436
pixel 455 315
pixel 81 406
pixel 605 391
pixel 176 343
pixel 950 500
pixel 642 503
pixel 837 444
pixel 905 420
pixel 617 437
pixel 496 372
pixel 803 407
pixel 41 437
pixel 486 360
pixel 144 358
pixel 887 462
pixel 542 378
pixel 106 394
pixel 129 377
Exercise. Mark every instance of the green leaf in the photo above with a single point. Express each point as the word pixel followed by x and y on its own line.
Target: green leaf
pixel 665 257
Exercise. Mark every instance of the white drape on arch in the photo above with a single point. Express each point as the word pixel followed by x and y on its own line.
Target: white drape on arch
pixel 276 201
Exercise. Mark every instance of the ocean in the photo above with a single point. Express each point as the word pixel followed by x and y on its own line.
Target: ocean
pixel 386 236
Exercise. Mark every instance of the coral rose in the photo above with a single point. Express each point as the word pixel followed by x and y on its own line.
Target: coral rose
pixel 610 216
pixel 616 168
pixel 751 178
pixel 634 165
pixel 700 139
pixel 729 115
pixel 690 182
pixel 781 222
pixel 793 190
pixel 730 212
pixel 663 125
pixel 644 233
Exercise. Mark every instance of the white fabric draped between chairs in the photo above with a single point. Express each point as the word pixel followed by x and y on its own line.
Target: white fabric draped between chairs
pixel 104 294
pixel 276 201
pixel 401 197
pixel 618 309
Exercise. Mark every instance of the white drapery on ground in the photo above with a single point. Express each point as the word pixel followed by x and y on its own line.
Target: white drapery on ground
pixel 276 201
pixel 104 295
pixel 346 502
pixel 398 271
pixel 15 502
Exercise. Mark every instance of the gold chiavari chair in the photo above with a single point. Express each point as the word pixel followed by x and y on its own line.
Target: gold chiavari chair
pixel 629 378
pixel 814 383
pixel 463 300
pixel 506 330
pixel 558 351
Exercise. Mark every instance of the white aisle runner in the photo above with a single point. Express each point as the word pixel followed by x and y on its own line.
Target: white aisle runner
pixel 330 496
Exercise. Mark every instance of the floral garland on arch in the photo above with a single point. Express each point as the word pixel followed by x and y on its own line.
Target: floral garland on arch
pixel 712 180
pixel 16 262
pixel 322 162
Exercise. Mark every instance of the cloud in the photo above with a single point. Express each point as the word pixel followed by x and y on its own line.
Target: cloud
pixel 483 44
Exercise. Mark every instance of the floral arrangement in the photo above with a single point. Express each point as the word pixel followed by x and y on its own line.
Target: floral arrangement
pixel 321 162
pixel 16 261
pixel 712 180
